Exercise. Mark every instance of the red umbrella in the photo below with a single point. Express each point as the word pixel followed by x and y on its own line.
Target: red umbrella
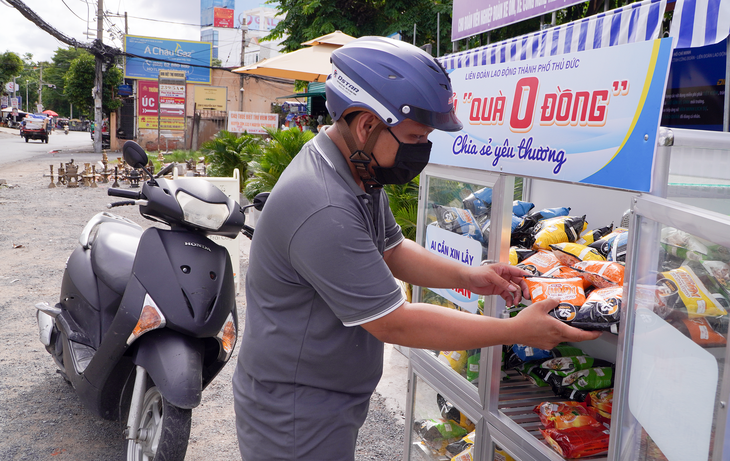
pixel 50 112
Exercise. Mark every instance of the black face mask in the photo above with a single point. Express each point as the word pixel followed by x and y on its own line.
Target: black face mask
pixel 410 160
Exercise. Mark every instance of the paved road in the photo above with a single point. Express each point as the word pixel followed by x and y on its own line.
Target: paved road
pixel 14 148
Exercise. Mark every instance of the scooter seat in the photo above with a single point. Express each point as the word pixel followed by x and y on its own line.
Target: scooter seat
pixel 112 253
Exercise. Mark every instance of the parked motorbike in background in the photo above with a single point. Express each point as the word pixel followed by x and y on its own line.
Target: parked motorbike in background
pixel 147 318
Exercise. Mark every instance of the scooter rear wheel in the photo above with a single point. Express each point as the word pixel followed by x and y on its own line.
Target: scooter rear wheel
pixel 163 433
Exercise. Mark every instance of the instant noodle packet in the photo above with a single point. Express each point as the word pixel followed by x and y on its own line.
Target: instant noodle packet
pixel 563 366
pixel 566 290
pixel 578 442
pixel 567 272
pixel 590 236
pixel 572 253
pixel 601 311
pixel 557 230
pixel 562 415
pixel 696 298
pixel 517 255
pixel 602 274
pixel 459 221
pixel 699 330
pixel 601 399
pixel 540 262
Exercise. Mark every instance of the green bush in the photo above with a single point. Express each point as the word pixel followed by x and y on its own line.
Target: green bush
pixel 269 159
pixel 227 151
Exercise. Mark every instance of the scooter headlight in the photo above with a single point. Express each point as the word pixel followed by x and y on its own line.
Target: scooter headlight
pixel 202 214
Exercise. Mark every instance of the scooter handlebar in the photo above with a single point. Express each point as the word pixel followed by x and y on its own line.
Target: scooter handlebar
pixel 135 195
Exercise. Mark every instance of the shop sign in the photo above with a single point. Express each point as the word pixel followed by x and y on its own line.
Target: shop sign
pixel 252 122
pixel 152 55
pixel 211 97
pixel 589 117
pixel 147 98
pixel 223 17
pixel 461 249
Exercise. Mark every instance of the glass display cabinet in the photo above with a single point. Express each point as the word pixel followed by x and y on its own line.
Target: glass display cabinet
pixel 670 386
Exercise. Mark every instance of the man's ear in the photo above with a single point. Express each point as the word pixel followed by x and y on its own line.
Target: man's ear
pixel 364 125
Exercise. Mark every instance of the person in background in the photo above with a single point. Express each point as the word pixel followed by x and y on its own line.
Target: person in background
pixel 321 289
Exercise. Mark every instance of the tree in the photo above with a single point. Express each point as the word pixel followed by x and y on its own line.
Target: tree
pixel 79 81
pixel 10 66
pixel 53 74
pixel 307 19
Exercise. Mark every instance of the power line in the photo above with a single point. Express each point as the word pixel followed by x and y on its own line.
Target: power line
pixel 72 11
pixel 168 22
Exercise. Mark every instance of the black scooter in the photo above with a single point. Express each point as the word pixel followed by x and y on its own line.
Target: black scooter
pixel 147 318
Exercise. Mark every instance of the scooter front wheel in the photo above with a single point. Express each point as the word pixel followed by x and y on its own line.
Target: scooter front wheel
pixel 163 432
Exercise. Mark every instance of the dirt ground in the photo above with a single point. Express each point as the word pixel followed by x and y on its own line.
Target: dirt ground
pixel 41 418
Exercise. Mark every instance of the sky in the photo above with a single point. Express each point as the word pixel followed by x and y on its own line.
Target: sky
pixel 175 19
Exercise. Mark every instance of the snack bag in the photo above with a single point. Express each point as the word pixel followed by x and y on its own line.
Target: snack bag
pixel 472 365
pixel 459 221
pixel 455 449
pixel 654 298
pixel 572 253
pixel 566 290
pixel 479 202
pixel 618 248
pixel 578 442
pixel 528 371
pixel 455 359
pixel 517 255
pixel 563 366
pixel 438 433
pixel 451 413
pixel 694 295
pixel 602 400
pixel 520 208
pixel 557 230
pixel 586 380
pixel 590 236
pixel 540 262
pixel 562 415
pixel 603 245
pixel 466 455
pixel 566 272
pixel 601 311
pixel 699 330
pixel 602 274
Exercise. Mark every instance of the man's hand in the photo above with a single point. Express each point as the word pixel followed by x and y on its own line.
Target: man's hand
pixel 534 327
pixel 499 279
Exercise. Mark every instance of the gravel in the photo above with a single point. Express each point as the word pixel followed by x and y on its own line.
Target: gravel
pixel 41 418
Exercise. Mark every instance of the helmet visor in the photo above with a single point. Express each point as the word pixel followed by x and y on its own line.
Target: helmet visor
pixel 444 121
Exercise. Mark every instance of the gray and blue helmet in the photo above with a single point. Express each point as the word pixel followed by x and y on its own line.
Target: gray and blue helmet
pixel 393 79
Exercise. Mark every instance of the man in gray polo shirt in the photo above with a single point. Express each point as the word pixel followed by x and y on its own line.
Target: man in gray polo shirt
pixel 321 292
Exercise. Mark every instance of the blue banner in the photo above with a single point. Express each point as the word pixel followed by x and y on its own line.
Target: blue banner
pixel 154 54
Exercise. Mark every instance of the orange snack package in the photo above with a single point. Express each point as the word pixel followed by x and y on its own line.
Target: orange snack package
pixel 601 399
pixel 571 253
pixel 539 263
pixel 566 290
pixel 602 274
pixel 566 272
pixel 562 415
pixel 700 331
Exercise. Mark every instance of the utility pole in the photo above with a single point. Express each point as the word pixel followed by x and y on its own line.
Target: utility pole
pixel 98 79
pixel 244 29
pixel 40 88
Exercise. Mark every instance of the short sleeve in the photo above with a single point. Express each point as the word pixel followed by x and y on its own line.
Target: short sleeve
pixel 334 253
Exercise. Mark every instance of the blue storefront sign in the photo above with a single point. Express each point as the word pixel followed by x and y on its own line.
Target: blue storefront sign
pixel 150 55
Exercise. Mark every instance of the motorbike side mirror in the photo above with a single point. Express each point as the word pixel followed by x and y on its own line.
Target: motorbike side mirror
pixel 260 200
pixel 134 155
